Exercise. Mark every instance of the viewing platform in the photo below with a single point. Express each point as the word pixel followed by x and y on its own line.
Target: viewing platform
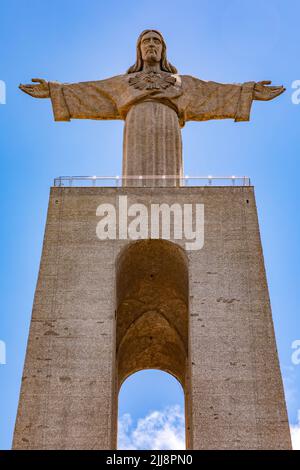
pixel 142 181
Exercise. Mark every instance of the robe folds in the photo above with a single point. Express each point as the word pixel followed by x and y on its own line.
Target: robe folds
pixel 153 115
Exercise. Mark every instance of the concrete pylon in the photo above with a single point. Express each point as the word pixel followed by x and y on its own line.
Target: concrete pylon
pixel 104 309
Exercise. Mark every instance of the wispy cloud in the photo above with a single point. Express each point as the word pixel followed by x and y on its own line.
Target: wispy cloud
pixel 290 384
pixel 158 430
pixel 165 430
pixel 295 433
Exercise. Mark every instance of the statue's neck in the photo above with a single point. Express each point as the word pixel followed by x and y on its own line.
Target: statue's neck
pixel 149 67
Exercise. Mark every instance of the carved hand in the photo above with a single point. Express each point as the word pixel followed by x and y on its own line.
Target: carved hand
pixel 263 92
pixel 37 91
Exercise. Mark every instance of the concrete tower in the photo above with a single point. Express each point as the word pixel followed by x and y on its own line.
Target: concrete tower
pixel 104 309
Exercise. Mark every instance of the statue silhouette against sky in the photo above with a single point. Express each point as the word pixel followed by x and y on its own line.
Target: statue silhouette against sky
pixel 155 102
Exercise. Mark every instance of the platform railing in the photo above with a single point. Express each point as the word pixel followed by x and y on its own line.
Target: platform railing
pixel 118 181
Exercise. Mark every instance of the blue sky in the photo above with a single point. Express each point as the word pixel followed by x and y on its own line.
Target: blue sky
pixel 71 40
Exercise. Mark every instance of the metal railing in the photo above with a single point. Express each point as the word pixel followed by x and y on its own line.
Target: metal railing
pixel 141 181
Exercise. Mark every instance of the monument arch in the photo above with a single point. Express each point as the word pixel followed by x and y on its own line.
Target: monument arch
pixel 152 313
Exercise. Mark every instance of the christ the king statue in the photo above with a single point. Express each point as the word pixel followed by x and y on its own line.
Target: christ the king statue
pixel 155 102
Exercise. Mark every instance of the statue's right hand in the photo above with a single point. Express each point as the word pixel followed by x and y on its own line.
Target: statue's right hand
pixel 37 91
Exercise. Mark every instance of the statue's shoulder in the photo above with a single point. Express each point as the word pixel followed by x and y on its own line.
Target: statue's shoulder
pixel 189 80
pixel 112 85
pixel 115 78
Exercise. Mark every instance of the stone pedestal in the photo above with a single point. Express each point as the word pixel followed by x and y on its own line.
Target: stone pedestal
pixel 220 326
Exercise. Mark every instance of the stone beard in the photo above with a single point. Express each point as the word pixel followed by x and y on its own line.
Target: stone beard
pixel 154 106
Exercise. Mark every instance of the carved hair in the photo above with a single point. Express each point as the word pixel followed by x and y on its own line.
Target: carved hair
pixel 164 64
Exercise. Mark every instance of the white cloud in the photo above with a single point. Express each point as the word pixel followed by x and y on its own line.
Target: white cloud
pixel 165 430
pixel 295 434
pixel 159 430
pixel 290 385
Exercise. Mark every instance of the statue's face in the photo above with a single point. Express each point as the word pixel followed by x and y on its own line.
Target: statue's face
pixel 151 47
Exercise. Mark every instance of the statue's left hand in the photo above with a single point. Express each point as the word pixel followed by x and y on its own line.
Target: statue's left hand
pixel 264 92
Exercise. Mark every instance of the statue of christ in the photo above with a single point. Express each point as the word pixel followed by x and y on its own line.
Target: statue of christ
pixel 155 102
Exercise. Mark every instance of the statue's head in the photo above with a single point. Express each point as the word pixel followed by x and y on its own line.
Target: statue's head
pixel 151 47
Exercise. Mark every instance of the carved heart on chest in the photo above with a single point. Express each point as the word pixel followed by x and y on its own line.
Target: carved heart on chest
pixel 152 81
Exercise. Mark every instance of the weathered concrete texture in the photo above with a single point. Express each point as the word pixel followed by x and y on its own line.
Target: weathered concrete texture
pixel 152 309
pixel 85 321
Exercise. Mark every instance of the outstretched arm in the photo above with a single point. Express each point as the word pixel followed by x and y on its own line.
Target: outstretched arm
pixel 85 100
pixel 212 100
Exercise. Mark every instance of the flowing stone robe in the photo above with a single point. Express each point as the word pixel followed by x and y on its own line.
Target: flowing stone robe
pixel 154 106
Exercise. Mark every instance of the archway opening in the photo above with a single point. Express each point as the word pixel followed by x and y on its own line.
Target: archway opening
pixel 151 412
pixel 152 314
